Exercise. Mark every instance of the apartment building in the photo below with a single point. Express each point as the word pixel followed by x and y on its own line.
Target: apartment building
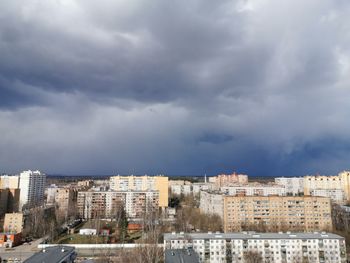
pixel 254 190
pixel 9 201
pixel 142 183
pixel 265 247
pixel 212 203
pixel 180 187
pixel 338 182
pixel 292 185
pixel 32 188
pixel 13 223
pixel 336 195
pixel 104 204
pixel 228 179
pixel 66 199
pixel 9 181
pixel 98 204
pixel 277 212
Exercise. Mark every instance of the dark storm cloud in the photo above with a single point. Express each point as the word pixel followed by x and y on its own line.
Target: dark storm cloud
pixel 175 87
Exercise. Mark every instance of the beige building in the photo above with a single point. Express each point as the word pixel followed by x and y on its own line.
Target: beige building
pixel 65 199
pixel 85 184
pixel 229 179
pixel 104 204
pixel 9 181
pixel 322 182
pixel 277 212
pixel 142 183
pixel 13 223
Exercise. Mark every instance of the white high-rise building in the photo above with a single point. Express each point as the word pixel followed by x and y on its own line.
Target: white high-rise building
pixel 32 188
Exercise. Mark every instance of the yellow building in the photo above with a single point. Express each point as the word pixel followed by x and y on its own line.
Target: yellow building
pixel 142 183
pixel 307 213
pixel 13 223
pixel 318 182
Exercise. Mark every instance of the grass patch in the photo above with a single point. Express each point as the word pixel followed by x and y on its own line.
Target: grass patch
pixel 81 239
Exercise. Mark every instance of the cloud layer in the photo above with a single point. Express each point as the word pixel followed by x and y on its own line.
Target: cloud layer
pixel 184 87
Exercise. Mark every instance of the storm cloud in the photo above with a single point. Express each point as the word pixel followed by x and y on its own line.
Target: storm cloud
pixel 177 87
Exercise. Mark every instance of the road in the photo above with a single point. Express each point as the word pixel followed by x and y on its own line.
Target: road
pixel 21 252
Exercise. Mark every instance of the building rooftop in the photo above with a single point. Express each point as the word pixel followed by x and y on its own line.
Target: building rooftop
pixel 181 256
pixel 52 255
pixel 252 235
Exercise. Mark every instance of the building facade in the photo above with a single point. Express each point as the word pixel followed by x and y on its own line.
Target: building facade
pixel 212 203
pixel 322 182
pixel 306 213
pixel 9 181
pixel 293 185
pixel 229 179
pixel 32 188
pixel 254 190
pixel 105 204
pixel 66 200
pixel 336 195
pixel 142 183
pixel 13 223
pixel 270 247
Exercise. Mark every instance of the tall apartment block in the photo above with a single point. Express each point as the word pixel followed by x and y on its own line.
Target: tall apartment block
pixel 66 199
pixel 32 187
pixel 9 181
pixel 142 183
pixel 307 213
pixel 322 182
pixel 270 247
pixel 293 185
pixel 104 204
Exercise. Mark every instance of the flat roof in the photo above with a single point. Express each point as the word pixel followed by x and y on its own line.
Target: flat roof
pixel 252 235
pixel 181 256
pixel 51 255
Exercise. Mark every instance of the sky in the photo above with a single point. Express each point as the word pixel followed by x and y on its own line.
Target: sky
pixel 260 87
